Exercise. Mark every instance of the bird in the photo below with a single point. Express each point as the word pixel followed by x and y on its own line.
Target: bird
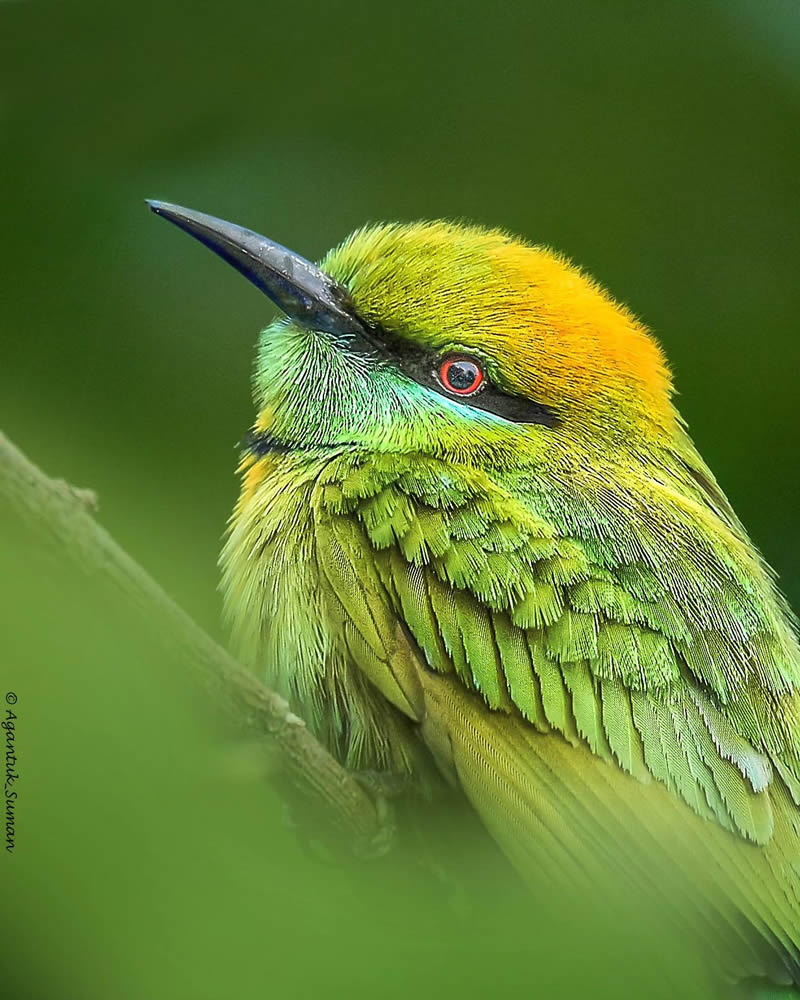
pixel 474 539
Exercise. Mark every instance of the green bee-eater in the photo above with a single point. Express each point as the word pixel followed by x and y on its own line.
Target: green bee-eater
pixel 473 532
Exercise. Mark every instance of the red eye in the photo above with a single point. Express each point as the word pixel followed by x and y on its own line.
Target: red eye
pixel 461 376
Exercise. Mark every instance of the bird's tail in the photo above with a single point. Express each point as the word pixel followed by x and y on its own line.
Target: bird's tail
pixel 575 825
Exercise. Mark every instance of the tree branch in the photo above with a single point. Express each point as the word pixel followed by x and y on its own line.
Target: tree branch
pixel 65 515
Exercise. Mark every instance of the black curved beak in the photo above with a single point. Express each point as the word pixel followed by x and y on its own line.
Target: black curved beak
pixel 304 292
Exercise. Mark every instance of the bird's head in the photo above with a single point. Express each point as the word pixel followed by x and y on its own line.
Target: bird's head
pixel 445 339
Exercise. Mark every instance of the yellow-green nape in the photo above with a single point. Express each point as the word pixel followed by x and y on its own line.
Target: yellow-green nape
pixel 546 329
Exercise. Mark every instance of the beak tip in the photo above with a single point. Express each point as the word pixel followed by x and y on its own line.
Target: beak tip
pixel 156 206
pixel 298 287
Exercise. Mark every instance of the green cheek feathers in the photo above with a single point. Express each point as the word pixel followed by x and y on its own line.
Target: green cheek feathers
pixel 314 394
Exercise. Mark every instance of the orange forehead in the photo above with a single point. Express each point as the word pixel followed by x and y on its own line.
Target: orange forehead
pixel 564 332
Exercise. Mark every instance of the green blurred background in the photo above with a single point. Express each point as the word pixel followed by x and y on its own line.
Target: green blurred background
pixel 654 142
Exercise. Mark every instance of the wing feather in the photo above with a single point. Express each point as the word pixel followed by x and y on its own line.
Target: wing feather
pixel 672 678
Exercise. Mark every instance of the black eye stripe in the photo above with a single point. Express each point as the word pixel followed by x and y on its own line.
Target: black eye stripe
pixel 517 409
pixel 423 366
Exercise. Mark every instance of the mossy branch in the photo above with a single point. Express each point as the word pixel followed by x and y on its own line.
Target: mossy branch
pixel 64 515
